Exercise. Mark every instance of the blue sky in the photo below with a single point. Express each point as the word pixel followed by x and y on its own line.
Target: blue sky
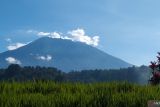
pixel 127 29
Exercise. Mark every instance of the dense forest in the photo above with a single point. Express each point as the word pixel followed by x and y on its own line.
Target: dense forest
pixel 133 74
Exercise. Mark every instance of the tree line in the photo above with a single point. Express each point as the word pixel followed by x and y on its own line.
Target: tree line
pixel 15 72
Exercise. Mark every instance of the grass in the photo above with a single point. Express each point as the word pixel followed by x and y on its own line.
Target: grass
pixel 51 94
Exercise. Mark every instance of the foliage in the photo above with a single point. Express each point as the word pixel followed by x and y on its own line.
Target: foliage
pixel 17 73
pixel 52 94
pixel 155 66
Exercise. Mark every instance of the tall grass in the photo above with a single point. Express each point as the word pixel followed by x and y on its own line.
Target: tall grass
pixel 51 94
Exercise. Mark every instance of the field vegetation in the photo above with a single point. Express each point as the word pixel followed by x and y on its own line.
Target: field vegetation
pixel 62 94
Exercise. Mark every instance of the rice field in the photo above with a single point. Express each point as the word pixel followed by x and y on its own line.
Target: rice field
pixel 51 94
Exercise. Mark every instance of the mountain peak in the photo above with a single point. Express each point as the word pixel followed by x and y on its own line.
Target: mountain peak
pixel 64 54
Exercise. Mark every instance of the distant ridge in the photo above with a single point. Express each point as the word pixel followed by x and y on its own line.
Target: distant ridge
pixel 66 55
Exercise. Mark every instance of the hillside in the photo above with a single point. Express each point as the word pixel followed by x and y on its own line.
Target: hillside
pixel 63 54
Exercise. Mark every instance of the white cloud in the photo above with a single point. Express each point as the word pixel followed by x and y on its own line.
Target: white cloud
pixel 44 58
pixel 43 33
pixel 55 35
pixel 79 35
pixel 74 35
pixel 49 57
pixel 50 34
pixel 95 40
pixel 15 46
pixel 12 60
pixel 8 39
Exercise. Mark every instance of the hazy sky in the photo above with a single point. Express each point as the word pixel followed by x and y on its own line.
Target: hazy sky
pixel 128 29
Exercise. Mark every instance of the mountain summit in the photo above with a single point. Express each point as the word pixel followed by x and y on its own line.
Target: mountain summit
pixel 63 54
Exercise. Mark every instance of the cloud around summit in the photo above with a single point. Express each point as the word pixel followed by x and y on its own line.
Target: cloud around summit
pixel 74 35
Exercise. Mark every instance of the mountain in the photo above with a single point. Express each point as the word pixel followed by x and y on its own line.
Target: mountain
pixel 63 54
